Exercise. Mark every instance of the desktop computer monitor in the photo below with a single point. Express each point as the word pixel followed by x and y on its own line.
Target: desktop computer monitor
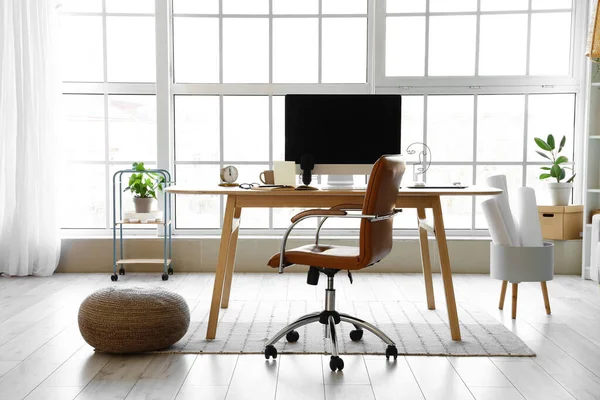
pixel 342 134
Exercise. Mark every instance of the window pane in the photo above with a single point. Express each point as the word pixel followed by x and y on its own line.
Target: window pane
pixel 196 49
pixel 295 50
pixel 295 7
pixel 550 44
pixel 344 50
pixel 450 127
pixel 197 128
pixel 245 50
pixel 504 5
pixel 81 6
pixel 551 113
pixel 278 128
pixel 81 47
pixel 500 127
pixel 514 180
pixel 457 210
pixel 452 45
pixel 405 46
pixel 407 219
pixel 542 196
pixel 503 51
pixel 282 217
pixel 196 7
pixel 197 211
pixel 131 49
pixel 82 129
pixel 550 4
pixel 452 6
pixel 246 128
pixel 83 197
pixel 412 122
pixel 405 6
pixel 132 127
pixel 253 218
pixel 129 6
pixel 245 6
pixel 344 6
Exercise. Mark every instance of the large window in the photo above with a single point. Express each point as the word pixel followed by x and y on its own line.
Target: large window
pixel 475 91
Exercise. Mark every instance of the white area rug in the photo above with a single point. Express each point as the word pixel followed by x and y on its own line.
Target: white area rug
pixel 246 325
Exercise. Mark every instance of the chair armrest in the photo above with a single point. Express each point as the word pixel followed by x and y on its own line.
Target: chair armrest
pixel 348 207
pixel 318 212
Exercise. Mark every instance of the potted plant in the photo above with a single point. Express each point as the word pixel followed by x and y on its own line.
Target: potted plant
pixel 560 191
pixel 144 185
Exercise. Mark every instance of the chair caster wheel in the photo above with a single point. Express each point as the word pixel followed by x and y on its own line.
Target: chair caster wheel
pixel 165 277
pixel 292 336
pixel 391 351
pixel 114 277
pixel 336 363
pixel 170 271
pixel 122 271
pixel 356 335
pixel 270 351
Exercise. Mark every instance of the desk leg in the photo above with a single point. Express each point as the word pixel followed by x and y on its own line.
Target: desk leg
pixel 425 260
pixel 231 257
pixel 213 318
pixel 440 235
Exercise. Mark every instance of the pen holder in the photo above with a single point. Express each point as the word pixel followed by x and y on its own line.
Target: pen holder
pixel 522 264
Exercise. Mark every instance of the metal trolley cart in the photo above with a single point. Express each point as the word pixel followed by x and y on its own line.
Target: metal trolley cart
pixel 120 221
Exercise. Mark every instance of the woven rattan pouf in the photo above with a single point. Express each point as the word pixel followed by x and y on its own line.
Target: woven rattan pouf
pixel 133 319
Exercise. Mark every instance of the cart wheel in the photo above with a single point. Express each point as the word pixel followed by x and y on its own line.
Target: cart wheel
pixel 391 351
pixel 114 277
pixel 165 277
pixel 170 270
pixel 122 271
pixel 270 351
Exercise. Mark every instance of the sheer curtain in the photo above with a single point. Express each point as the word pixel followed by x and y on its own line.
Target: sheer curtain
pixel 29 93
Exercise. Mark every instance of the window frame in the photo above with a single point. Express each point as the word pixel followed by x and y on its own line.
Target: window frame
pixel 165 88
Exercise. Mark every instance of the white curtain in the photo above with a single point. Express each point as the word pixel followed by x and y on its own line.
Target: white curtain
pixel 29 93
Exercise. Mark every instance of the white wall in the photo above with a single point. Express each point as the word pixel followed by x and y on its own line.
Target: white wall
pixel 200 254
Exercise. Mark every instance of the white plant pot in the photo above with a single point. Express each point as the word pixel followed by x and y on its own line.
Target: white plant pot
pixel 143 204
pixel 560 193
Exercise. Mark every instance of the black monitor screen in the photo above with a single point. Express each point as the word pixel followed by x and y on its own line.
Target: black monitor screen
pixel 340 128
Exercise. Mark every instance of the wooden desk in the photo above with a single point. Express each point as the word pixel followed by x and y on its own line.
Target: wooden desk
pixel 419 199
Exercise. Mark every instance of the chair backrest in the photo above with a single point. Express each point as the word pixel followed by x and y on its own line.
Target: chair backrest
pixel 380 199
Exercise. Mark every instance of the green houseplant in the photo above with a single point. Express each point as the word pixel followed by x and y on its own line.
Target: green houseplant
pixel 144 185
pixel 560 191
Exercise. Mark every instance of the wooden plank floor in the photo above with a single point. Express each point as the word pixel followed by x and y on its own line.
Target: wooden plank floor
pixel 42 355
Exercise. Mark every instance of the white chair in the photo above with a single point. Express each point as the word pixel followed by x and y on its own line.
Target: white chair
pixel 522 264
pixel 595 243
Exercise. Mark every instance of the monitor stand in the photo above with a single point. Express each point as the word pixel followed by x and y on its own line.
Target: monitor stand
pixel 340 181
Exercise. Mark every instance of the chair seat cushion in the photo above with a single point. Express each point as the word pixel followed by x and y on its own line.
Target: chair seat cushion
pixel 133 319
pixel 322 255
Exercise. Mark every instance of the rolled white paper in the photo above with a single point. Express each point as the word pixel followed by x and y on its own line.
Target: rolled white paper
pixel 499 182
pixel 495 222
pixel 528 221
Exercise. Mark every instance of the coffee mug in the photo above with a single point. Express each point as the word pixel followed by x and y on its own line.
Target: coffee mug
pixel 267 177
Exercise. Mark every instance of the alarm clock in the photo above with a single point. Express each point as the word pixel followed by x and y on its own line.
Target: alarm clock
pixel 229 175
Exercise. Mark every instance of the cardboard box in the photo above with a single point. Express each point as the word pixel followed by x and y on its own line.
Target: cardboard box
pixel 561 222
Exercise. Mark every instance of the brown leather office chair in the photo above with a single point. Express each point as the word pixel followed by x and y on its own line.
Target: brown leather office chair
pixel 375 242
